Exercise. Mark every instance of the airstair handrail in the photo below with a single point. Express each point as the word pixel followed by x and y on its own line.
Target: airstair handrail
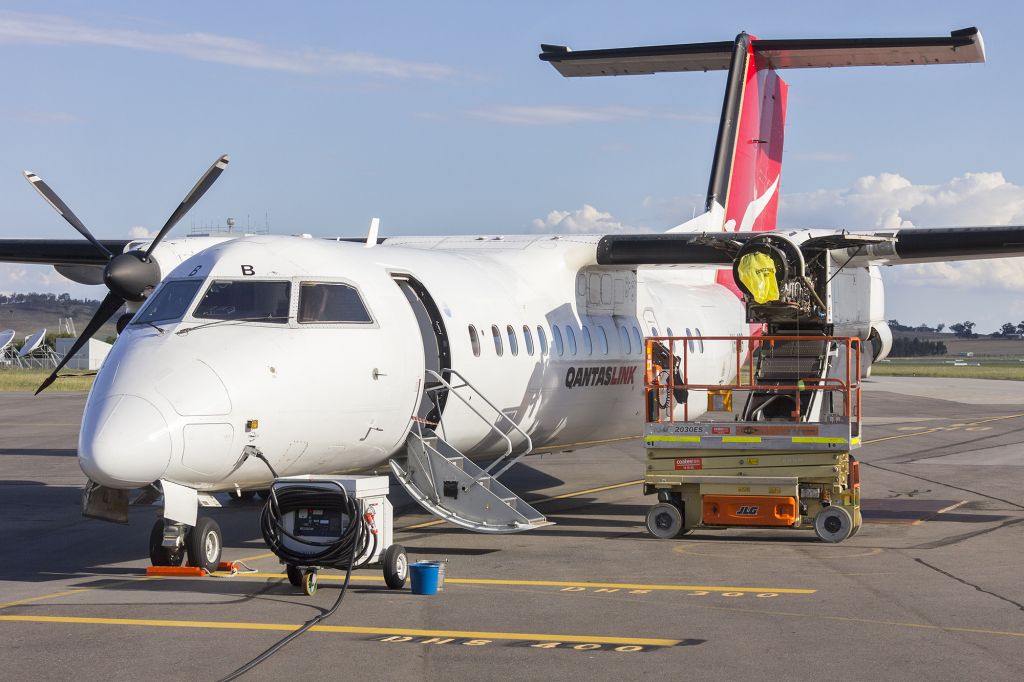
pixel 493 427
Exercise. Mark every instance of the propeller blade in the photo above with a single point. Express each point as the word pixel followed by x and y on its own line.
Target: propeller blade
pixel 190 200
pixel 53 200
pixel 107 308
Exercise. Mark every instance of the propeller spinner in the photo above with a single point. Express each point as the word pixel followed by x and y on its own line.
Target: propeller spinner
pixel 129 276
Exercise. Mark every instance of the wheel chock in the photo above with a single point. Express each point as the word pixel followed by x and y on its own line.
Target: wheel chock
pixel 176 571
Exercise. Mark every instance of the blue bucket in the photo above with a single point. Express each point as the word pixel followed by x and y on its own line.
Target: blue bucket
pixel 423 575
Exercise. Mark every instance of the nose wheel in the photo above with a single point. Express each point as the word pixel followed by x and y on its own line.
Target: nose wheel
pixel 204 544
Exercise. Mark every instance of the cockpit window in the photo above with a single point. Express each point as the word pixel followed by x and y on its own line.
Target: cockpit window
pixel 322 302
pixel 169 303
pixel 256 301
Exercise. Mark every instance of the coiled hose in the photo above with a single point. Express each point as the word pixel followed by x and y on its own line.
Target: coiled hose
pixel 340 553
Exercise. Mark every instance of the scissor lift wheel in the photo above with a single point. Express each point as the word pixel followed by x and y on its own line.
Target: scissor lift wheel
pixel 665 521
pixel 833 524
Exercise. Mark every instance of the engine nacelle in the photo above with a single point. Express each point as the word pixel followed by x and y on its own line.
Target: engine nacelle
pixel 880 340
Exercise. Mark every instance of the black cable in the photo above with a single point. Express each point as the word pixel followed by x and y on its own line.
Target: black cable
pixel 337 554
pixel 845 264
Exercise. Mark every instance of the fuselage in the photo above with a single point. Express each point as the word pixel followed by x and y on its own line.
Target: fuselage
pixel 329 372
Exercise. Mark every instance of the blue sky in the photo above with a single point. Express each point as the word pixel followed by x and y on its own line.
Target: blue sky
pixel 439 118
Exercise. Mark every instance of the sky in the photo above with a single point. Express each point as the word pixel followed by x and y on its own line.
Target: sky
pixel 439 118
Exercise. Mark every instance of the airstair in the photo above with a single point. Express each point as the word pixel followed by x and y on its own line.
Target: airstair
pixel 449 485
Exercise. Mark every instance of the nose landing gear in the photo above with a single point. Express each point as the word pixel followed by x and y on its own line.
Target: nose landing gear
pixel 170 542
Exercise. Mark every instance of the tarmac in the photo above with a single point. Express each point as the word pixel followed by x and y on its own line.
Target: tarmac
pixel 930 588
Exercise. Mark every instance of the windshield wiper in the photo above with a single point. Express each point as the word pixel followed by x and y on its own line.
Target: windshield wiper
pixel 159 329
pixel 266 318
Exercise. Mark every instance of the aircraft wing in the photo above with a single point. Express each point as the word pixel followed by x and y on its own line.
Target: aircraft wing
pixel 864 247
pixel 57 251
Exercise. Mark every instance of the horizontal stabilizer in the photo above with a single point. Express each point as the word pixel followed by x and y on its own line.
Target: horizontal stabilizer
pixel 960 47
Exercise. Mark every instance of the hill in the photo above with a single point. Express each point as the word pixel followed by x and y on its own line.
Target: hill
pixel 25 313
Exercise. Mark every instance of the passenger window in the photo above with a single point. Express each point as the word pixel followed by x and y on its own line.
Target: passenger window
pixel 668 330
pixel 252 301
pixel 588 344
pixel 513 344
pixel 474 340
pixel 570 338
pixel 602 340
pixel 528 339
pixel 496 333
pixel 556 336
pixel 323 302
pixel 626 350
pixel 690 344
pixel 699 339
pixel 542 339
pixel 639 340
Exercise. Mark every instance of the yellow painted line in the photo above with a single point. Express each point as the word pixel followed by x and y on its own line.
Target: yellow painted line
pixel 673 439
pixel 349 629
pixel 255 557
pixel 53 595
pixel 565 583
pixel 816 439
pixel 741 439
pixel 563 496
pixel 942 428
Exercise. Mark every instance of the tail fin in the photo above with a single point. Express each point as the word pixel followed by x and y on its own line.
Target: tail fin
pixel 750 194
pixel 743 193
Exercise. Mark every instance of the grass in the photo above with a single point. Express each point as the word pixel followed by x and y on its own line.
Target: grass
pixel 29 380
pixel 988 368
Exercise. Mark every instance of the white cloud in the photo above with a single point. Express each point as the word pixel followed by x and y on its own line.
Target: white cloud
pixel 585 220
pixel 139 232
pixel 559 114
pixel 34 29
pixel 889 200
pixel 17 278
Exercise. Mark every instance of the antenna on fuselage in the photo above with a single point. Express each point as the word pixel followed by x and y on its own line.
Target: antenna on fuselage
pixel 371 236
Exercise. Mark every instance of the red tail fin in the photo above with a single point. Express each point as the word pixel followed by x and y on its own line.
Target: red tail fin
pixel 752 196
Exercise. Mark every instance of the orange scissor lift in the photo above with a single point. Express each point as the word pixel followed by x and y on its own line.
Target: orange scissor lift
pixel 772 449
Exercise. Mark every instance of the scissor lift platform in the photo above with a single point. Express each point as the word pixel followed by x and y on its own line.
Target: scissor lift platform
pixel 714 466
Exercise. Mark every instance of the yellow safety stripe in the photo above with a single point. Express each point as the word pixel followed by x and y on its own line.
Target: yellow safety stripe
pixel 811 439
pixel 675 439
pixel 855 440
pixel 741 439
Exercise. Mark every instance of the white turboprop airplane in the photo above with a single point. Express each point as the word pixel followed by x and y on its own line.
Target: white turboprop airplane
pixel 335 356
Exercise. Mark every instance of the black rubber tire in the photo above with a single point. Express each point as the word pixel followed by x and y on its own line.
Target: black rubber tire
pixel 833 524
pixel 395 563
pixel 309 583
pixel 665 521
pixel 294 575
pixel 240 495
pixel 158 554
pixel 204 544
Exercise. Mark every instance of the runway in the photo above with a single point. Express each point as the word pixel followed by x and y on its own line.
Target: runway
pixel 930 588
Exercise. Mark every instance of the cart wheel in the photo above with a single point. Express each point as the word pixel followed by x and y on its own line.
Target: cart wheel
pixel 294 575
pixel 833 524
pixel 665 521
pixel 396 566
pixel 309 584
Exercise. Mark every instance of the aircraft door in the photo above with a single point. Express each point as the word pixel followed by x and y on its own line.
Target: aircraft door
pixel 436 347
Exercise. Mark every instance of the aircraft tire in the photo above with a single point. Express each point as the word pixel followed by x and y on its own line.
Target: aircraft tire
pixel 396 566
pixel 158 554
pixel 204 544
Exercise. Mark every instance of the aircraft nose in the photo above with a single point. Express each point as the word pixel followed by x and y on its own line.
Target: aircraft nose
pixel 124 442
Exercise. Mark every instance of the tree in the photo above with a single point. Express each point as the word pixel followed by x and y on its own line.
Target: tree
pixel 1020 327
pixel 964 330
pixel 942 325
pixel 1008 329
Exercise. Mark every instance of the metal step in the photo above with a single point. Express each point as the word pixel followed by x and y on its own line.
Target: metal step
pixel 452 487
